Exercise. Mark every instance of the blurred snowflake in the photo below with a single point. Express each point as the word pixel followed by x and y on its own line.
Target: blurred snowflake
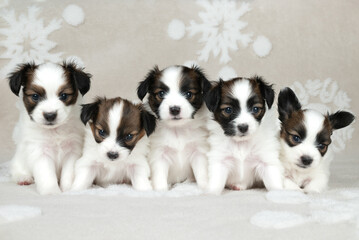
pixel 325 96
pixel 26 39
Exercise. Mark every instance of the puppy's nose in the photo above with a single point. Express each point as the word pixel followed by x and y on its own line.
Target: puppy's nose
pixel 175 110
pixel 50 116
pixel 306 160
pixel 112 155
pixel 243 128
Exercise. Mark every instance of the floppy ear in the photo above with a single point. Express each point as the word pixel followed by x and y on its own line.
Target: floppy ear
pixel 205 84
pixel 143 87
pixel 287 103
pixel 90 111
pixel 78 76
pixel 148 122
pixel 213 97
pixel 19 77
pixel 266 91
pixel 340 119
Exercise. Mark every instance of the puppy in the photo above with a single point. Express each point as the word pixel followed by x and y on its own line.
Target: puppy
pixel 116 145
pixel 244 148
pixel 179 145
pixel 305 136
pixel 49 136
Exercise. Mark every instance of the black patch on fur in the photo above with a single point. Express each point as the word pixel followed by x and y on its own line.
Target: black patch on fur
pixel 144 86
pixel 89 111
pixel 266 90
pixel 340 119
pixel 213 97
pixel 287 104
pixel 78 77
pixel 20 76
pixel 148 122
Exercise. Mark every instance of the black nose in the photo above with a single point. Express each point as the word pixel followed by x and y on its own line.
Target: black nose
pixel 243 128
pixel 175 110
pixel 112 155
pixel 306 160
pixel 50 116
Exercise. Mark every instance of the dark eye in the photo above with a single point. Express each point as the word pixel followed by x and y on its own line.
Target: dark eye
pixel 228 110
pixel 188 95
pixel 161 94
pixel 35 97
pixel 63 96
pixel 321 146
pixel 101 133
pixel 296 138
pixel 255 110
pixel 128 137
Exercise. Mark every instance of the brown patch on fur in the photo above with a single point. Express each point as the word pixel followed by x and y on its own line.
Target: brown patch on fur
pixel 30 89
pixel 324 136
pixel 293 126
pixel 69 89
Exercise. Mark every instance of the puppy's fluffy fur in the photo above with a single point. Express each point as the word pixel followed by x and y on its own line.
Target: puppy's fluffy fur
pixel 116 145
pixel 179 145
pixel 49 135
pixel 305 138
pixel 244 148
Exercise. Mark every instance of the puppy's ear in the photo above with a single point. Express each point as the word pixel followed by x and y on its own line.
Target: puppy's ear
pixel 266 90
pixel 20 76
pixel 213 97
pixel 148 121
pixel 90 111
pixel 340 119
pixel 287 103
pixel 205 84
pixel 144 86
pixel 78 77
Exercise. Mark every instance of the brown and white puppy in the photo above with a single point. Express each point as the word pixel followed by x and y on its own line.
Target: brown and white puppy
pixel 179 144
pixel 49 135
pixel 116 144
pixel 305 137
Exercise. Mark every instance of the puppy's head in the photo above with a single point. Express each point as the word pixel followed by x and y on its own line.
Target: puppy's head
pixel 117 125
pixel 239 105
pixel 306 134
pixel 175 93
pixel 50 91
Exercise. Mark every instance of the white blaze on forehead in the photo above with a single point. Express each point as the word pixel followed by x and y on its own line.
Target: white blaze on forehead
pixel 242 90
pixel 49 76
pixel 171 77
pixel 114 118
pixel 313 121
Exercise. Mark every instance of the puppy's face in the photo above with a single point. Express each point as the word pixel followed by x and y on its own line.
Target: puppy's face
pixel 49 90
pixel 306 134
pixel 238 105
pixel 117 125
pixel 175 93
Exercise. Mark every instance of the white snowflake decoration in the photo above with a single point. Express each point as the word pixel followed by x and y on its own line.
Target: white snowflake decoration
pixel 26 39
pixel 220 28
pixel 325 96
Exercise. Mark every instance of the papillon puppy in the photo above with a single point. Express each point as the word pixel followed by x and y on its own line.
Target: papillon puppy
pixel 305 137
pixel 49 134
pixel 179 143
pixel 116 145
pixel 244 146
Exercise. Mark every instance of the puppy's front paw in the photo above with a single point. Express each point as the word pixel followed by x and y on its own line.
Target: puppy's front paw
pixel 23 179
pixel 160 186
pixel 65 186
pixel 49 190
pixel 145 186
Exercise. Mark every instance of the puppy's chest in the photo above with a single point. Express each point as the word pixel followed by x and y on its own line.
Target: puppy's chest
pixel 245 152
pixel 300 178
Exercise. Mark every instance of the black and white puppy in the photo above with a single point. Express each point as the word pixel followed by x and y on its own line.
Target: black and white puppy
pixel 179 144
pixel 49 135
pixel 244 146
pixel 305 137
pixel 116 145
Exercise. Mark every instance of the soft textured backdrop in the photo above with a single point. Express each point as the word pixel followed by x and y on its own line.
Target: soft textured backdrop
pixel 312 46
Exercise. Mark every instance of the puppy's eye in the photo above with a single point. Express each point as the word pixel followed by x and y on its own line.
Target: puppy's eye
pixel 321 146
pixel 128 137
pixel 228 110
pixel 63 96
pixel 296 138
pixel 161 94
pixel 188 95
pixel 35 97
pixel 255 110
pixel 102 133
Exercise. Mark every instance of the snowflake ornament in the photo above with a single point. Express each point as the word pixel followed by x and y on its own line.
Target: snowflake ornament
pixel 26 39
pixel 325 96
pixel 220 28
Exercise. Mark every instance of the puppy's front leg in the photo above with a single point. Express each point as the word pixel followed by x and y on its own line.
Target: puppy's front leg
pixel 45 176
pixel 19 172
pixel 67 172
pixel 200 169
pixel 218 174
pixel 140 178
pixel 160 169
pixel 290 185
pixel 273 177
pixel 84 177
pixel 317 185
